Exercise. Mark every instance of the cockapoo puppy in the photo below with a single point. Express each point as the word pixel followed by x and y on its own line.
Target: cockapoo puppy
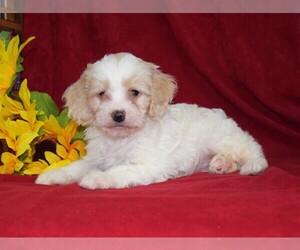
pixel 135 137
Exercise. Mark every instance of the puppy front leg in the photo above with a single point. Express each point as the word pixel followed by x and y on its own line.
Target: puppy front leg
pixel 123 176
pixel 65 175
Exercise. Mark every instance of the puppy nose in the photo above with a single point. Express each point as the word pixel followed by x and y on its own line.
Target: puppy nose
pixel 118 116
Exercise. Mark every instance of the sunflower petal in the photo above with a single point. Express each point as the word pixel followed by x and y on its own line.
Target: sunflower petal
pixel 7 157
pixel 61 151
pixel 24 94
pixel 58 164
pixel 52 127
pixel 23 142
pixel 73 155
pixel 13 50
pixel 7 169
pixel 25 43
pixel 18 166
pixel 51 157
pixel 36 167
pixel 71 130
pixel 80 147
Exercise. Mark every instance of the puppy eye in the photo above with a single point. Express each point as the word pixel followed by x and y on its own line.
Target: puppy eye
pixel 101 94
pixel 134 92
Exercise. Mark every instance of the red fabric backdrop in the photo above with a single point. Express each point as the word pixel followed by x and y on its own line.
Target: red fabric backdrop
pixel 247 64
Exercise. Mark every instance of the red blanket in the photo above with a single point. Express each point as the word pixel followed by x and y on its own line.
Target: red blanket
pixel 246 64
pixel 197 205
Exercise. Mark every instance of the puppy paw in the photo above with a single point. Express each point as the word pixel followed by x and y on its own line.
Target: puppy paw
pixel 254 166
pixel 97 180
pixel 55 176
pixel 221 164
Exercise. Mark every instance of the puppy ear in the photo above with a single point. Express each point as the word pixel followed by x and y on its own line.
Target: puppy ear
pixel 75 98
pixel 163 90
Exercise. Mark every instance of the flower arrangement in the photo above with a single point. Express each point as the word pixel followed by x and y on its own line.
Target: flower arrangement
pixel 34 136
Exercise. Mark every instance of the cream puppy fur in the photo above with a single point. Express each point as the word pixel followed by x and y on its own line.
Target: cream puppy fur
pixel 136 137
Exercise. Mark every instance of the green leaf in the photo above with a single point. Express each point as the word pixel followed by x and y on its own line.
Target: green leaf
pixel 44 103
pixel 79 135
pixel 5 35
pixel 63 119
pixel 41 117
pixel 41 132
pixel 19 68
pixel 23 156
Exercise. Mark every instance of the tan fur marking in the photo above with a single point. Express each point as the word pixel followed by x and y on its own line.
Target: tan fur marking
pixel 162 92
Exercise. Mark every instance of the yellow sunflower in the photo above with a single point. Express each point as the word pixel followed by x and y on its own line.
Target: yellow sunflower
pixel 19 142
pixel 25 123
pixel 68 149
pixel 9 61
pixel 23 109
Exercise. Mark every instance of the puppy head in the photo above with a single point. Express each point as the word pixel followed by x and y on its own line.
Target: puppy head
pixel 119 93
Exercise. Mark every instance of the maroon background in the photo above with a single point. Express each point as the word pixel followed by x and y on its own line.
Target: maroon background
pixel 246 64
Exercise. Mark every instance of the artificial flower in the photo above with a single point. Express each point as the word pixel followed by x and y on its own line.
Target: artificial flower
pixel 16 141
pixel 28 118
pixel 24 109
pixel 65 135
pixel 67 150
pixel 10 62
pixel 12 107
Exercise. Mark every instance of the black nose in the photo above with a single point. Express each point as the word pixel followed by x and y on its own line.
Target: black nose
pixel 118 116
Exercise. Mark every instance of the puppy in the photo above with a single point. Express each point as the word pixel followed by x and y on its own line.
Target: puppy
pixel 135 137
